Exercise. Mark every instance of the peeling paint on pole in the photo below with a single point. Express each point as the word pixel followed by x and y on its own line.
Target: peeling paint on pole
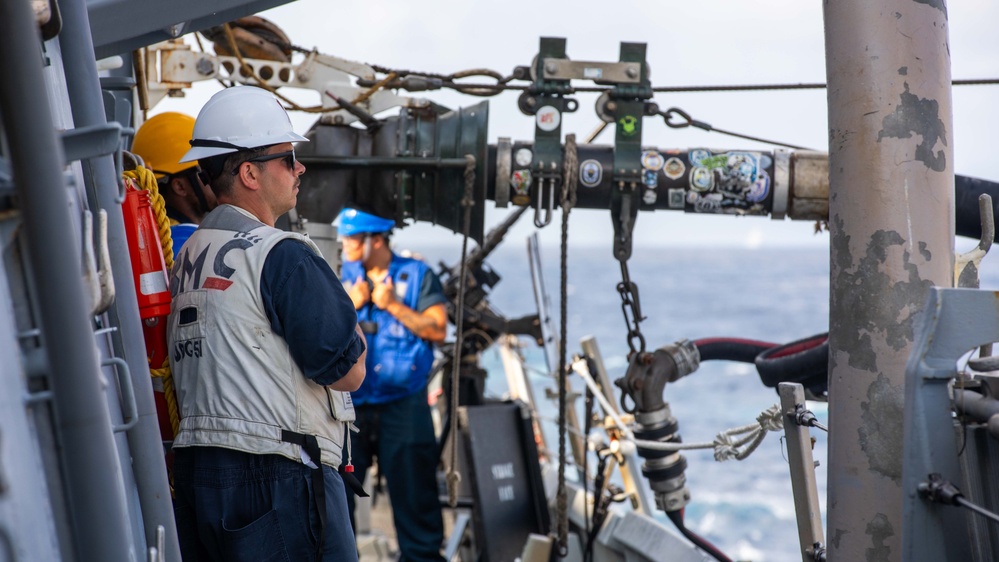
pixel 918 116
pixel 891 226
pixel 880 530
pixel 889 302
pixel 880 433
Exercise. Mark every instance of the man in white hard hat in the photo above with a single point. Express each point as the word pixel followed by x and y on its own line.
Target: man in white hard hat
pixel 264 348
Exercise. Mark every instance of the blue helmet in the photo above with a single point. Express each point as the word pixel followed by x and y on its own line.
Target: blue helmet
pixel 354 222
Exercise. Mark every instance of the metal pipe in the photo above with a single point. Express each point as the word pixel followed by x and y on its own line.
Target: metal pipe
pixel 891 220
pixel 144 441
pixel 88 455
pixel 979 408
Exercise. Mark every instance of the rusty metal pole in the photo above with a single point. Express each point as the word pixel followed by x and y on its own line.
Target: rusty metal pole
pixel 891 220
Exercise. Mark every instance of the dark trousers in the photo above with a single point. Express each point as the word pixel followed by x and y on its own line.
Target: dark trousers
pixel 401 435
pixel 233 507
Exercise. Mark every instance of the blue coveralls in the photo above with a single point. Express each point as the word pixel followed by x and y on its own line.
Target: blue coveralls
pixel 393 415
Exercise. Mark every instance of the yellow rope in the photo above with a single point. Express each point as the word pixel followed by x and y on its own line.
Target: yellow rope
pixel 169 393
pixel 147 180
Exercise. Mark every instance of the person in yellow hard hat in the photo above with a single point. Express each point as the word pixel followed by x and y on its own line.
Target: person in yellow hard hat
pixel 161 142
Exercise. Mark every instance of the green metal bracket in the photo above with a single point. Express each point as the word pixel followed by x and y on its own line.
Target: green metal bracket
pixel 627 104
pixel 546 101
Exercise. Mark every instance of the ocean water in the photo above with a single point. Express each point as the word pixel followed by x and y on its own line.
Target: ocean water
pixel 779 295
pixel 772 294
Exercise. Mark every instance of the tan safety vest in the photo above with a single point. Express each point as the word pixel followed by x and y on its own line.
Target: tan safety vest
pixel 237 384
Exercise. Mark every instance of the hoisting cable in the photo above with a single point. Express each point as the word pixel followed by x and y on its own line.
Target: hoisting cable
pixel 146 180
pixel 685 120
pixel 938 490
pixel 570 170
pixel 502 85
pixel 467 201
pixel 804 86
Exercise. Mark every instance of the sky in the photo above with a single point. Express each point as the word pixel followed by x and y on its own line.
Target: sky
pixel 708 42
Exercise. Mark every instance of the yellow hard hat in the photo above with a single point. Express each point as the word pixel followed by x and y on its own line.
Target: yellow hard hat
pixel 162 140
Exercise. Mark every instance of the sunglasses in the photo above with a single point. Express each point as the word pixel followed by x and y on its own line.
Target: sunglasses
pixel 288 156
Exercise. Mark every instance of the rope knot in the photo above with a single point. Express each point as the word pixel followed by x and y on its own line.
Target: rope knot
pixel 724 448
pixel 771 419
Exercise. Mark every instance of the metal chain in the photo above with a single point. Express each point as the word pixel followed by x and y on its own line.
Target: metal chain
pixel 467 201
pixel 630 303
pixel 570 172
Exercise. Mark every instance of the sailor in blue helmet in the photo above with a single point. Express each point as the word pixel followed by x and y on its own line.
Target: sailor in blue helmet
pixel 400 308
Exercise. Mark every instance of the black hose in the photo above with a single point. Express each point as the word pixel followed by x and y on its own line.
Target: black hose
pixel 967 220
pixel 677 518
pixel 731 349
pixel 804 361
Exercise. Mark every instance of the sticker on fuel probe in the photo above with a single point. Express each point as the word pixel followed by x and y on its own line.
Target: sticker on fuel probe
pixel 590 173
pixel 520 181
pixel 674 168
pixel 760 188
pixel 650 178
pixel 652 160
pixel 649 197
pixel 523 157
pixel 701 179
pixel 675 197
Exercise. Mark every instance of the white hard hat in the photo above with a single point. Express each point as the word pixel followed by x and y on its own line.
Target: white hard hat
pixel 239 118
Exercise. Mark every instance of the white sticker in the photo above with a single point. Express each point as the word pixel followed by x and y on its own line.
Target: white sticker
pixel 674 168
pixel 590 173
pixel 523 157
pixel 548 118
pixel 652 160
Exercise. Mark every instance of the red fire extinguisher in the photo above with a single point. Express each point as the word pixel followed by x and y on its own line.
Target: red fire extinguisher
pixel 151 284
